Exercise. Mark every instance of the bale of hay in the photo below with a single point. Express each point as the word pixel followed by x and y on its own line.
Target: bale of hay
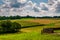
pixel 47 30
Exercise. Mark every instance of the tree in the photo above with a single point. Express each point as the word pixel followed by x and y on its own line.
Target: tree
pixel 8 26
pixel 16 26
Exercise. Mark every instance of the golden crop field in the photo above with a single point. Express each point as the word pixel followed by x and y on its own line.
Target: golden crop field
pixel 29 22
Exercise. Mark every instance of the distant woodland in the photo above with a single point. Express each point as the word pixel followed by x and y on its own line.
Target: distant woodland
pixel 19 17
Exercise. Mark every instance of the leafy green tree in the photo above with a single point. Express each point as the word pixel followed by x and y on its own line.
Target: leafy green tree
pixel 8 26
pixel 16 26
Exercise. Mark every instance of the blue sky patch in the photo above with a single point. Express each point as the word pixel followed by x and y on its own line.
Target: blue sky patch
pixel 35 1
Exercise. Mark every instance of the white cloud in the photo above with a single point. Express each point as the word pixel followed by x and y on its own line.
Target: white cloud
pixel 44 6
pixel 52 8
pixel 57 7
pixel 22 1
pixel 30 3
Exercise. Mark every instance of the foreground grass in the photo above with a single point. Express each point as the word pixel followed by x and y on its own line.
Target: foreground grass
pixel 23 36
pixel 29 36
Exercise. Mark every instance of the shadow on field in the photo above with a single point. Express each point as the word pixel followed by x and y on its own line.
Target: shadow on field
pixel 2 33
pixel 33 26
pixel 7 32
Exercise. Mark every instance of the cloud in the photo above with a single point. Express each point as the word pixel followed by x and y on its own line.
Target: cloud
pixel 22 1
pixel 31 4
pixel 36 9
pixel 57 7
pixel 44 6
pixel 25 7
pixel 54 6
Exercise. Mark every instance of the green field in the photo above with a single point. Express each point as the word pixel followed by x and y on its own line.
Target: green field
pixel 33 33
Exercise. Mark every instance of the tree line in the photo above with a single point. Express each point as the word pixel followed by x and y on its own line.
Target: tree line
pixel 19 17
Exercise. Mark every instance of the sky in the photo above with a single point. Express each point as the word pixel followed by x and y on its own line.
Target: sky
pixel 37 1
pixel 30 7
pixel 1 1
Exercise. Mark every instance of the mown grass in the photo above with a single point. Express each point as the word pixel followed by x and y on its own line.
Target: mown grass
pixel 29 36
pixel 33 33
pixel 22 36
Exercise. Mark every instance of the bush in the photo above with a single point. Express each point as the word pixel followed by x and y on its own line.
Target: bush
pixel 8 26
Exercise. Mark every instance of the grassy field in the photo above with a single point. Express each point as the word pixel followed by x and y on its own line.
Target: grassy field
pixel 33 33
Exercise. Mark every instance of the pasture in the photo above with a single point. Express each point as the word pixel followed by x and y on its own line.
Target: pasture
pixel 31 30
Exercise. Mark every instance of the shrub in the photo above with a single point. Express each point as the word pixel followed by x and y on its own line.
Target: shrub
pixel 8 26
